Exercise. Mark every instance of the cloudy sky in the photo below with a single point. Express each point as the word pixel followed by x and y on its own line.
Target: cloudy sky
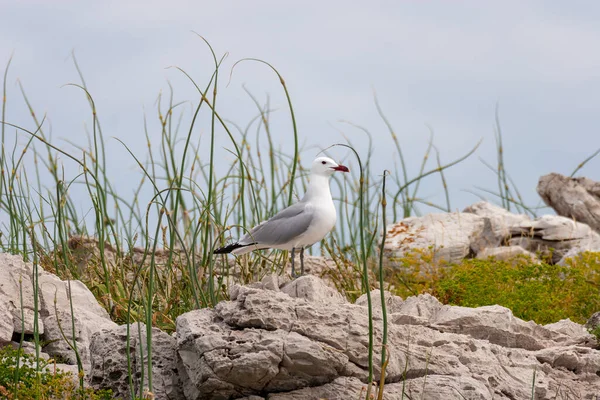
pixel 443 65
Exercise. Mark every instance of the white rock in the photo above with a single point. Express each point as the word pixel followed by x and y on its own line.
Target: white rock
pixel 6 324
pixel 266 341
pixel 88 317
pixel 109 368
pixel 501 220
pixel 392 303
pixel 312 289
pixel 594 321
pixel 448 235
pixel 506 253
pixel 552 234
pixel 16 279
pixel 417 310
pixel 577 332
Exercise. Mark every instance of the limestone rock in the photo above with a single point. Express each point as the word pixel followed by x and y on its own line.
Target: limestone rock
pixel 501 220
pixel 448 235
pixel 6 324
pixel 506 253
pixel 109 369
pixel 577 332
pixel 265 343
pixel 497 325
pixel 233 363
pixel 594 321
pixel 54 309
pixel 16 288
pixel 417 310
pixel 312 289
pixel 392 303
pixel 554 236
pixel 574 198
pixel 274 281
pixel 88 316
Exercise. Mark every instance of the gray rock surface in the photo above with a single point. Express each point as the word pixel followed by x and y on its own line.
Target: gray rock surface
pixel 572 329
pixel 6 324
pixel 594 321
pixel 554 236
pixel 265 344
pixel 313 289
pixel 56 298
pixel 450 236
pixel 392 303
pixel 15 289
pixel 506 253
pixel 54 309
pixel 109 369
pixel 500 219
pixel 485 230
pixel 574 198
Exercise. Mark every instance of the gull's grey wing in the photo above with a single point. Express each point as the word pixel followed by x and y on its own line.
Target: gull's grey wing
pixel 283 227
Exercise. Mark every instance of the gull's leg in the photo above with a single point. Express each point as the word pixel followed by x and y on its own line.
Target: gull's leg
pixel 302 261
pixel 293 250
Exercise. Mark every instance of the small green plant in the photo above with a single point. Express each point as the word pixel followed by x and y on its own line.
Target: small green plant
pixel 24 378
pixel 541 292
pixel 596 332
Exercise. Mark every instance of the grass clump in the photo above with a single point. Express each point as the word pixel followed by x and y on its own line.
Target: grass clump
pixel 541 292
pixel 24 378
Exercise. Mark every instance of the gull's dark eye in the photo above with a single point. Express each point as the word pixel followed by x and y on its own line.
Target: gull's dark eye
pixel 323 162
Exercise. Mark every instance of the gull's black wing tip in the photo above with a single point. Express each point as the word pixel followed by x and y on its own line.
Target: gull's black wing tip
pixel 230 247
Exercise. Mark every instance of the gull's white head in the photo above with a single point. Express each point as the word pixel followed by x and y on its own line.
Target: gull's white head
pixel 326 166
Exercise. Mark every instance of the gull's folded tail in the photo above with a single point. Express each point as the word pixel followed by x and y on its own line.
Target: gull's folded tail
pixel 230 247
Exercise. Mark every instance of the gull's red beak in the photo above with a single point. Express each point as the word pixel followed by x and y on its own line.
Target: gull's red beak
pixel 342 168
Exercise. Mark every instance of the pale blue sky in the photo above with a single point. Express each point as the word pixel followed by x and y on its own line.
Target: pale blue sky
pixel 443 64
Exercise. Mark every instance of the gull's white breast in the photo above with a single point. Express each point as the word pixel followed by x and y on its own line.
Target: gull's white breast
pixel 323 221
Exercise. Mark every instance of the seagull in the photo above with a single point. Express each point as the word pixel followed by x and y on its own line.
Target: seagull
pixel 300 225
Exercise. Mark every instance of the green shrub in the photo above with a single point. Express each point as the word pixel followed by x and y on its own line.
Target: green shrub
pixel 25 382
pixel 540 292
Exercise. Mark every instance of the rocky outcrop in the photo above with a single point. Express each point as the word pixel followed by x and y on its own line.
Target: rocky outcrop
pixel 17 308
pixel 555 237
pixel 451 236
pixel 484 230
pixel 506 253
pixel 266 343
pixel 112 353
pixel 574 198
pixel 501 221
pixel 301 339
pixel 55 300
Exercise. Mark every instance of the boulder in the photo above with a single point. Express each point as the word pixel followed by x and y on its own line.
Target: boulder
pixel 417 310
pixel 594 321
pixel 392 303
pixel 110 368
pixel 497 325
pixel 56 298
pixel 574 198
pixel 265 343
pixel 450 236
pixel 485 230
pixel 506 253
pixel 16 289
pixel 313 289
pixel 579 333
pixel 501 220
pixel 554 237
